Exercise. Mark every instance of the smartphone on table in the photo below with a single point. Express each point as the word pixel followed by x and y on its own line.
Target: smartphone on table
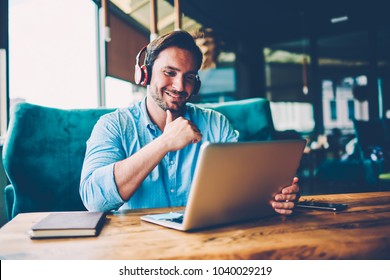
pixel 317 205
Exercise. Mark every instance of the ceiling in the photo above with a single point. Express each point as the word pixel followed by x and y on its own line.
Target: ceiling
pixel 140 11
pixel 283 24
pixel 265 21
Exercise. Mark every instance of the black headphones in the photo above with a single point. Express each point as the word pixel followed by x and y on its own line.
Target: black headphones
pixel 142 73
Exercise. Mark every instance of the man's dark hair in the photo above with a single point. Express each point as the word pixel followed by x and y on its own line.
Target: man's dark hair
pixel 180 39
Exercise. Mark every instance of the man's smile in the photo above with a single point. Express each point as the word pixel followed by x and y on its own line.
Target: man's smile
pixel 176 94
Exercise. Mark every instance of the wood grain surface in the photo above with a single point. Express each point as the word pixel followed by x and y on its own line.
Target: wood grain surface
pixel 360 232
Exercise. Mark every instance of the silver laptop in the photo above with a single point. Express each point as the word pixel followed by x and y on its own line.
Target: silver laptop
pixel 235 182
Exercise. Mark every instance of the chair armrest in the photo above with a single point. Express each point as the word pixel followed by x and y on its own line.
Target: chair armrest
pixel 9 198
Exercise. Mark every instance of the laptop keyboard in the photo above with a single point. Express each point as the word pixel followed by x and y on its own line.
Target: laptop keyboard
pixel 178 220
pixel 175 217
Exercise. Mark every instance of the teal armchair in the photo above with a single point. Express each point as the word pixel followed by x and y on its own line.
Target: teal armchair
pixel 251 117
pixel 43 155
pixel 44 150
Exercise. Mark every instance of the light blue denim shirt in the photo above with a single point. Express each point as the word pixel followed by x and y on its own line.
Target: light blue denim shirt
pixel 120 134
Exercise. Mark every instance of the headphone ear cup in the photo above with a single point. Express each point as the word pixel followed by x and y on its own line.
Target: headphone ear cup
pixel 138 75
pixel 145 75
pixel 198 83
pixel 141 73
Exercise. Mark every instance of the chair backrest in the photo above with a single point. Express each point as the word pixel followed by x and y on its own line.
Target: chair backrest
pixel 251 117
pixel 43 155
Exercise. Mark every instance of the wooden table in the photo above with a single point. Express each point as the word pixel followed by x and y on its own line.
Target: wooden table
pixel 361 232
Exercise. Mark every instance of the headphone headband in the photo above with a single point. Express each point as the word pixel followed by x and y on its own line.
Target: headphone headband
pixel 139 54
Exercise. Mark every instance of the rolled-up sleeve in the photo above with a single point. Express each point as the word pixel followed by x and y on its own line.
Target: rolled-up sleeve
pixel 228 132
pixel 98 189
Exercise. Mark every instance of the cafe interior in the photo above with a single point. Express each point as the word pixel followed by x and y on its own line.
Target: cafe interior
pixel 323 68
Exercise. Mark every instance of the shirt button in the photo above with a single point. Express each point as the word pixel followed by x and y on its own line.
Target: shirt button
pixel 171 162
pixel 172 190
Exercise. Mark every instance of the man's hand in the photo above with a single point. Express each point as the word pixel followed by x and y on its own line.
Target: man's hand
pixel 284 202
pixel 180 132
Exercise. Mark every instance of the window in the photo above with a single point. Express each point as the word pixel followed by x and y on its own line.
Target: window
pixel 53 53
pixel 292 115
pixel 286 70
pixel 120 93
pixel 343 102
pixel 3 88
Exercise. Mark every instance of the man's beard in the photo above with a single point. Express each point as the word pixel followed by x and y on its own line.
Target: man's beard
pixel 158 98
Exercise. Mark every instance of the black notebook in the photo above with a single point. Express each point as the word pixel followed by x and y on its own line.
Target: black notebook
pixel 69 224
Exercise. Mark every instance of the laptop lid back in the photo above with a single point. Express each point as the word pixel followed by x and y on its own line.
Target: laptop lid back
pixel 236 181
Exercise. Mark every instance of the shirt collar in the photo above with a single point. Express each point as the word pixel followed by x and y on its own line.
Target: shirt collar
pixel 145 116
pixel 186 113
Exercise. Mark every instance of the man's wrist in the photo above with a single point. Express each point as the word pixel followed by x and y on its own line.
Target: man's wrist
pixel 163 144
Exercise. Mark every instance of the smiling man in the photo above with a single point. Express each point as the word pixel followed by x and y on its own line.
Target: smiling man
pixel 144 156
